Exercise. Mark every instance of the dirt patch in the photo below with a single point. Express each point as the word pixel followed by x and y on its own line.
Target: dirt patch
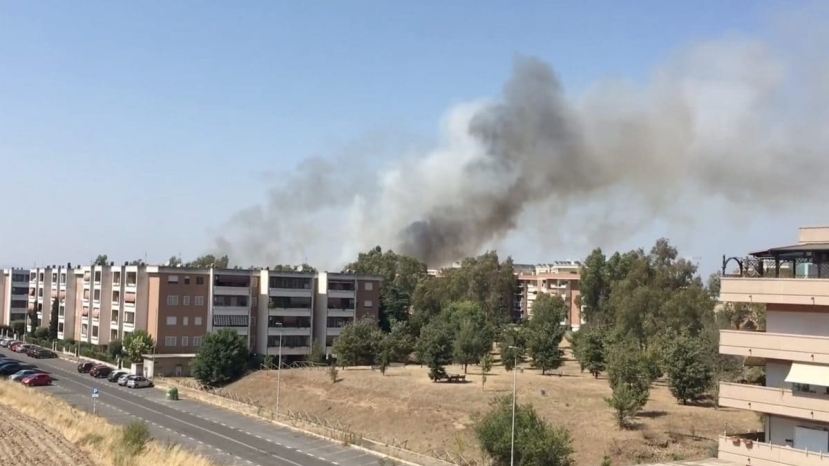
pixel 405 408
pixel 24 440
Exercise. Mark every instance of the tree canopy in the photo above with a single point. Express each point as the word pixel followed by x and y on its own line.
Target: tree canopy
pixel 209 260
pixel 358 343
pixel 221 358
pixel 137 344
pixel 102 259
pixel 304 267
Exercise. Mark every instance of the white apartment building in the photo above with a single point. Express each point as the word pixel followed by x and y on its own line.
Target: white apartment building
pixel 794 348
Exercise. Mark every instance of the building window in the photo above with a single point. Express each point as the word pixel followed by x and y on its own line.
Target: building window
pixel 369 286
pixel 196 341
pixel 196 320
pixel 171 320
pixel 169 341
pixel 198 300
pixel 368 303
pixel 186 282
pixel 184 341
pixel 185 300
pixel 172 279
pixel 172 300
pixel 199 281
pixel 185 320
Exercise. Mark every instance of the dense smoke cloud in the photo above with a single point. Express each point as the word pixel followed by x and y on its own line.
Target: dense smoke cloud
pixel 728 118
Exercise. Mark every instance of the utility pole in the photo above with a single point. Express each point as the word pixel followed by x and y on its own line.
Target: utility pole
pixel 279 370
pixel 512 435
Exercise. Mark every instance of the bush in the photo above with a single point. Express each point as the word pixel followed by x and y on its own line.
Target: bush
pixel 536 442
pixel 42 333
pixel 134 437
pixel 222 358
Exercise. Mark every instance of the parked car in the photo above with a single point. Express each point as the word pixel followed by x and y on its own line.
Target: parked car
pixel 137 381
pixel 37 380
pixel 31 350
pixel 5 342
pixel 22 374
pixel 100 372
pixel 22 348
pixel 122 381
pixel 12 367
pixel 42 353
pixel 85 367
pixel 15 345
pixel 115 375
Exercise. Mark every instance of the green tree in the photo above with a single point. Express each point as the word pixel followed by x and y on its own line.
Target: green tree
pixel 18 327
pixel 358 343
pixel 594 285
pixel 209 260
pixel 434 347
pixel 115 349
pixel 626 403
pixel 627 365
pixel 512 346
pixel 467 346
pixel 690 369
pixel 304 267
pixel 101 260
pixel 401 275
pixel 486 368
pixel 42 333
pixel 545 332
pixel 53 320
pixel 33 320
pixel 399 342
pixel 174 261
pixel 137 344
pixel 536 442
pixel 592 351
pixel 221 358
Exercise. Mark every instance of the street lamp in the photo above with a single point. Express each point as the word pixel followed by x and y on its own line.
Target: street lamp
pixel 512 435
pixel 279 369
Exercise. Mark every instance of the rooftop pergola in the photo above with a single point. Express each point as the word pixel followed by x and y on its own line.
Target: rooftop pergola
pixel 756 263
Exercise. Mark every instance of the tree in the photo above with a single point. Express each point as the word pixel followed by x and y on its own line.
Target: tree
pixel 221 358
pixel 434 347
pixel 101 260
pixel 304 267
pixel 512 346
pixel 545 332
pixel 18 327
pixel 401 275
pixel 690 369
pixel 486 367
pixel 591 353
pixel 209 260
pixel 174 261
pixel 358 343
pixel 33 320
pixel 115 348
pixel 467 346
pixel 398 343
pixel 626 402
pixel 41 333
pixel 628 366
pixel 536 442
pixel 53 320
pixel 137 344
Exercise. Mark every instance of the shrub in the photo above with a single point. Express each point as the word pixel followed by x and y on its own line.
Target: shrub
pixel 134 437
pixel 222 358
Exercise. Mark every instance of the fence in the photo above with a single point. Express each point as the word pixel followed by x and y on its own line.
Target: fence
pixel 335 429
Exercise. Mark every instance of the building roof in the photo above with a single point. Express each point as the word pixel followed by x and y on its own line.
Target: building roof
pixel 793 251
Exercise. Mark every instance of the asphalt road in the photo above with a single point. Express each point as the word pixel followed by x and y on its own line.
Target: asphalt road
pixel 224 436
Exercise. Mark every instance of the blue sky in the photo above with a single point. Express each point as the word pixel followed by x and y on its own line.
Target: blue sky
pixel 133 128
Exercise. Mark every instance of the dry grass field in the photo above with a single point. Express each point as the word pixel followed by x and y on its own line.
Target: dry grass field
pixel 405 405
pixel 38 429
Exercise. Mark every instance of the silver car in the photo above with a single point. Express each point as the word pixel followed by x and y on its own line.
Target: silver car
pixel 22 374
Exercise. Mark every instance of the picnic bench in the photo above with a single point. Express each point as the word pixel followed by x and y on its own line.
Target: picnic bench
pixel 455 378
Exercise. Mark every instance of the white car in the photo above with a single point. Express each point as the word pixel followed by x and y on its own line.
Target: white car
pixel 137 381
pixel 122 381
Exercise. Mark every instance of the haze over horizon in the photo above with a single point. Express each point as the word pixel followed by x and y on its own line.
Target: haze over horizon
pixel 289 133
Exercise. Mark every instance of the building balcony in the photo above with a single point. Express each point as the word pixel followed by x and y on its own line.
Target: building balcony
pixel 291 292
pixel 231 290
pixel 113 324
pixel 231 310
pixel 341 293
pixel 333 331
pixel 290 312
pixel 771 290
pixel 292 351
pixel 290 331
pixel 786 347
pixel 20 297
pixel 742 450
pixel 128 326
pixel 778 401
pixel 341 312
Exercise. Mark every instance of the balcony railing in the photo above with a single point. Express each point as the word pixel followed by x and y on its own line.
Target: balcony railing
pixel 742 450
pixel 810 292
pixel 786 347
pixel 779 401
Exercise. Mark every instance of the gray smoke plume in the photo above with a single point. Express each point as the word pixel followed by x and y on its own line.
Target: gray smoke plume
pixel 728 119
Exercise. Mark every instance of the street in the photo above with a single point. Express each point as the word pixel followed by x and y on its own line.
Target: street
pixel 224 436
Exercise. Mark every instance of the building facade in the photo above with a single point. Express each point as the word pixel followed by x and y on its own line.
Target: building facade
pixel 793 283
pixel 561 278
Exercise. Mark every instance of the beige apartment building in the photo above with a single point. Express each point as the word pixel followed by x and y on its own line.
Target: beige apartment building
pixel 794 348
pixel 561 278
pixel 14 295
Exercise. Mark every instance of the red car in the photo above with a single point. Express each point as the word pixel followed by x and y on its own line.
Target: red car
pixel 37 380
pixel 14 346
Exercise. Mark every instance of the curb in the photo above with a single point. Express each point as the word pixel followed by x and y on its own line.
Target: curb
pixel 158 385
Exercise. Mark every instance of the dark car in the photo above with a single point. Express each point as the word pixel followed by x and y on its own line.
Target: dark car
pixel 31 351
pixel 44 354
pixel 13 367
pixel 85 367
pixel 99 372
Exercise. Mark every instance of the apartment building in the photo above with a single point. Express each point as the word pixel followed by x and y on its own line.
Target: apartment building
pixel 794 348
pixel 14 295
pixel 561 278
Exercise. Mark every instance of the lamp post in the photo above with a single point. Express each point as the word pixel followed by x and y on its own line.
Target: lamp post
pixel 279 369
pixel 512 435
